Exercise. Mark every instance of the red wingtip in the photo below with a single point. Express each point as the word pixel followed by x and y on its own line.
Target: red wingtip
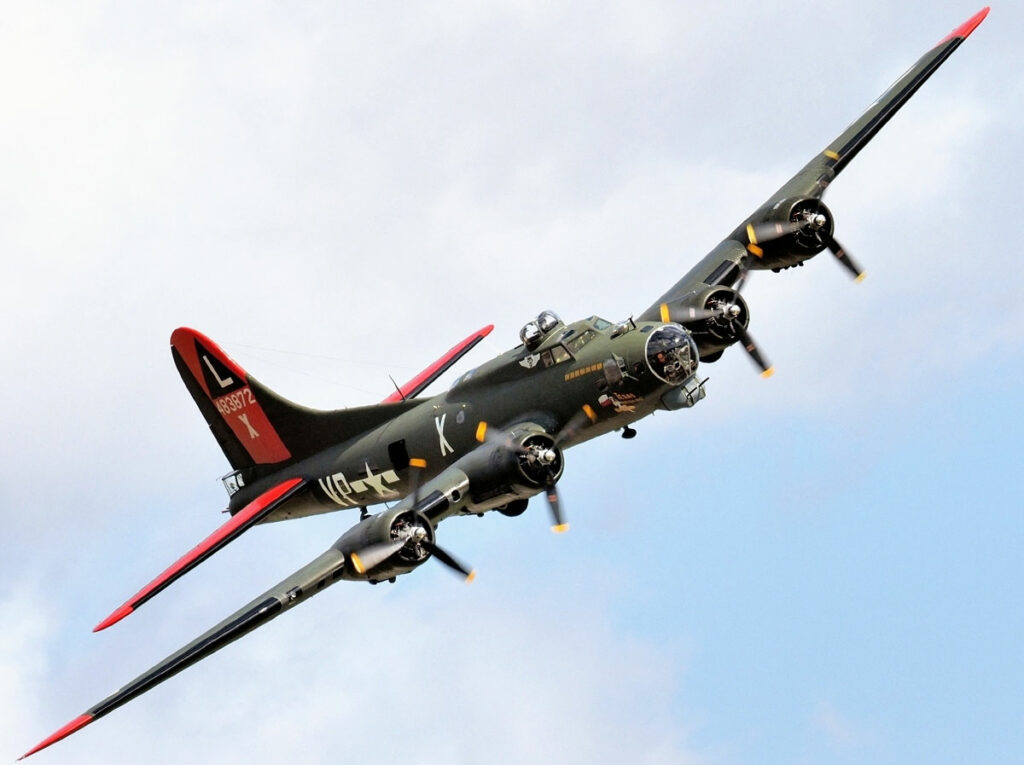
pixel 964 30
pixel 79 722
pixel 114 618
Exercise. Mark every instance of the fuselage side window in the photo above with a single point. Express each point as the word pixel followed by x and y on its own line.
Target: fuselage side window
pixel 559 354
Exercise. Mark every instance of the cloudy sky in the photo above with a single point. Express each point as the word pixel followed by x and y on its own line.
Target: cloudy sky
pixel 821 567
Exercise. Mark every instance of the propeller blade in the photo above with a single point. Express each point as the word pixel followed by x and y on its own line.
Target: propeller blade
pixel 685 314
pixel 841 255
pixel 373 556
pixel 445 558
pixel 738 286
pixel 559 525
pixel 767 370
pixel 766 232
pixel 576 423
pixel 416 468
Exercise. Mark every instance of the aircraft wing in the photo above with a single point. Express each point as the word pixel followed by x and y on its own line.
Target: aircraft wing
pixel 741 246
pixel 248 516
pixel 307 581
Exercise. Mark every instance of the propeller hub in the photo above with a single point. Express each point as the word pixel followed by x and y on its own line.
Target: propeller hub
pixel 540 460
pixel 817 221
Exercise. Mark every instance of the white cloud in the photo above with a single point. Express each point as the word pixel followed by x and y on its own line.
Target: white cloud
pixel 841 732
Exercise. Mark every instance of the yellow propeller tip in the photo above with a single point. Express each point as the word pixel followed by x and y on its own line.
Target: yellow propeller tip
pixel 481 432
pixel 471 577
pixel 768 372
pixel 560 528
pixel 357 564
pixel 860 277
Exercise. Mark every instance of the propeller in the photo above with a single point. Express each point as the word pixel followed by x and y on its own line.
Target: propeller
pixel 543 461
pixel 413 534
pixel 767 369
pixel 416 467
pixel 448 560
pixel 585 417
pixel 729 313
pixel 845 260
pixel 812 222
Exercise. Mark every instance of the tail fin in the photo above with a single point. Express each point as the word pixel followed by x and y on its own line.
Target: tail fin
pixel 253 425
pixel 221 389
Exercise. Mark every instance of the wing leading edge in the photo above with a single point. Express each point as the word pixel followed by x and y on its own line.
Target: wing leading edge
pixel 245 518
pixel 812 180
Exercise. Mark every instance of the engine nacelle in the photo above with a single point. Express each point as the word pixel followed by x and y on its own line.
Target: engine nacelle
pixel 516 466
pixel 794 230
pixel 388 528
pixel 713 333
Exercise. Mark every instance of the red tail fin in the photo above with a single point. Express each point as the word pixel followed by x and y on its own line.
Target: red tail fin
pixel 221 389
pixel 259 431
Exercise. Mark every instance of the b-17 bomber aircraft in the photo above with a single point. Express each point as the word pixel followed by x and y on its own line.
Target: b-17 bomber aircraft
pixel 498 436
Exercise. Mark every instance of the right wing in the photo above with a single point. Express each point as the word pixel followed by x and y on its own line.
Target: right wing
pixel 307 581
pixel 248 516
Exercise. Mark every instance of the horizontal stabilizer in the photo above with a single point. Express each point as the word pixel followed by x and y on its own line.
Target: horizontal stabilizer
pixel 248 516
pixel 419 383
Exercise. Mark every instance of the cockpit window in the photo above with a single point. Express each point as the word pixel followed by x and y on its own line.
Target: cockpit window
pixel 580 340
pixel 554 355
pixel 600 324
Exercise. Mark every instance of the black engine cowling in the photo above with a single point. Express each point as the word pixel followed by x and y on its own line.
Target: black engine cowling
pixel 515 466
pixel 384 530
pixel 792 231
pixel 723 314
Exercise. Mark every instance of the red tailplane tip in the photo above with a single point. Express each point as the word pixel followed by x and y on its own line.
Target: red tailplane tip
pixel 79 722
pixel 114 618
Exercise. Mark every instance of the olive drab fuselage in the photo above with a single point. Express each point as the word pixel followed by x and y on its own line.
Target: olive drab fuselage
pixel 610 375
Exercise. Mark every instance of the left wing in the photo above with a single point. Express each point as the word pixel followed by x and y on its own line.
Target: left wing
pixel 307 581
pixel 766 238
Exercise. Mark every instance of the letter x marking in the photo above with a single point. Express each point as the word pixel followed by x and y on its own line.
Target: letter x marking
pixel 445 446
